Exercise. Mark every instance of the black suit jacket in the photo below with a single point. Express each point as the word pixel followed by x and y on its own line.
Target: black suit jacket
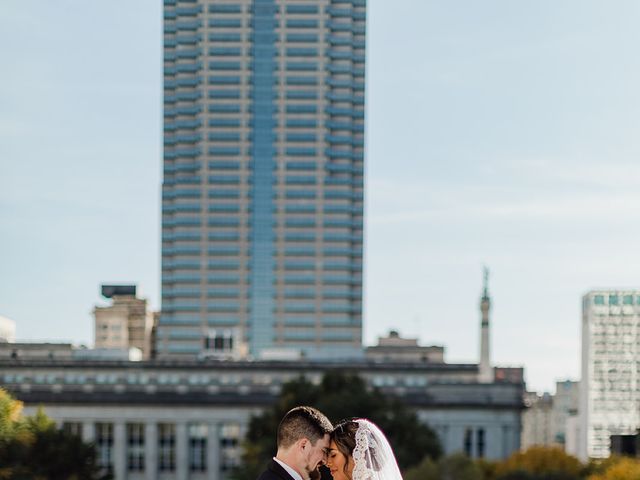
pixel 275 471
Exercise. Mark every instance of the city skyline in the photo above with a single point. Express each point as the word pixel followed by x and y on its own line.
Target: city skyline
pixel 517 150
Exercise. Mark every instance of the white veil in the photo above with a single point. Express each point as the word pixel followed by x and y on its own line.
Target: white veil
pixel 372 455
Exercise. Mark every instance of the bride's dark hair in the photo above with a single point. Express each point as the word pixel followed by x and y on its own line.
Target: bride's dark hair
pixel 344 434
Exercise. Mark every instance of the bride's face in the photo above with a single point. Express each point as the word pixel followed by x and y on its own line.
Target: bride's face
pixel 336 461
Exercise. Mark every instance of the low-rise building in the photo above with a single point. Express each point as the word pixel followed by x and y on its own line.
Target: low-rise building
pixel 185 420
pixel 126 323
pixel 28 351
pixel 395 348
pixel 537 427
pixel 36 351
pixel 565 407
pixel 7 330
pixel 550 419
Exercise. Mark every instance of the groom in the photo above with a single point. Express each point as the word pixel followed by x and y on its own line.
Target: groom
pixel 303 443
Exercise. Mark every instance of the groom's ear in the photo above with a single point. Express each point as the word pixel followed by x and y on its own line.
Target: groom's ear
pixel 303 443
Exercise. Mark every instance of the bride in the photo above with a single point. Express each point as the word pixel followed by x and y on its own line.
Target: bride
pixel 360 451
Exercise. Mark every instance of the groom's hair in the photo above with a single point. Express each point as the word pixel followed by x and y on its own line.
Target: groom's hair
pixel 302 422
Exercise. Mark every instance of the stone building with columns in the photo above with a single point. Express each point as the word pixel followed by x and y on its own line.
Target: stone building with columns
pixel 185 420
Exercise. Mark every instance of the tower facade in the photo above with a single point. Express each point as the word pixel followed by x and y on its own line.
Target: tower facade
pixel 610 384
pixel 486 372
pixel 126 323
pixel 262 196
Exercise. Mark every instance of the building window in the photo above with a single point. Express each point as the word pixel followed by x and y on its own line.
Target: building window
pixel 166 447
pixel 198 447
pixel 468 435
pixel 135 447
pixel 598 300
pixel 104 446
pixel 72 428
pixel 219 341
pixel 229 446
pixel 480 440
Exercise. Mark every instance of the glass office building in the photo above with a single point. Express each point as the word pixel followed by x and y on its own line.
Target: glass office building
pixel 262 196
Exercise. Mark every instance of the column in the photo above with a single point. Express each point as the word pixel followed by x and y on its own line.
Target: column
pixel 213 452
pixel 445 440
pixel 150 450
pixel 88 431
pixel 506 450
pixel 119 451
pixel 492 442
pixel 456 438
pixel 182 454
pixel 515 442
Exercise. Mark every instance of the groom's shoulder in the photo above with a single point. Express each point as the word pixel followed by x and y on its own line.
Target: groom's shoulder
pixel 274 471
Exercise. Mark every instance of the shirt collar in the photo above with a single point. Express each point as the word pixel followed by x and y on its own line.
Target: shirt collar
pixel 290 471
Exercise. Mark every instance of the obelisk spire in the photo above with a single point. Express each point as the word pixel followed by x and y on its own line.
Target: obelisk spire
pixel 485 370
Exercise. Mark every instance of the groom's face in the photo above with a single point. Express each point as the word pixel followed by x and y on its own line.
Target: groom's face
pixel 316 454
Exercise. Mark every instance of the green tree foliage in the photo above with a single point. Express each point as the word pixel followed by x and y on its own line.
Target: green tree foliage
pixel 426 470
pixel 524 475
pixel 11 425
pixel 454 467
pixel 487 467
pixel 459 467
pixel 33 448
pixel 339 395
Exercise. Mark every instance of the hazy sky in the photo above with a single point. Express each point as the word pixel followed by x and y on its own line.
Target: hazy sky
pixel 504 133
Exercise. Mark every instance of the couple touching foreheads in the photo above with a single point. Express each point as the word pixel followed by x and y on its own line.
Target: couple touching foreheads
pixel 354 449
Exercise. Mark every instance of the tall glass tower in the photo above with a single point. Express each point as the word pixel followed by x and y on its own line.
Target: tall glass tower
pixel 262 197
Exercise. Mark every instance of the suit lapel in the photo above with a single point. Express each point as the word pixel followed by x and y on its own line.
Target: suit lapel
pixel 276 468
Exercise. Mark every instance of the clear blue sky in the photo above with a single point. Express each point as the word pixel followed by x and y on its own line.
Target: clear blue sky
pixel 499 132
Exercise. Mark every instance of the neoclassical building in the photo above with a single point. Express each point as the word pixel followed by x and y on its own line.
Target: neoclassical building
pixel 185 420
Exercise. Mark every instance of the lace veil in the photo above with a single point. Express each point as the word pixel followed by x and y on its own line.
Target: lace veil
pixel 372 455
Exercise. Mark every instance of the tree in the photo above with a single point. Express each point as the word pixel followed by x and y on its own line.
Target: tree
pixel 426 470
pixel 540 463
pixel 619 469
pixel 454 467
pixel 487 467
pixel 33 448
pixel 339 395
pixel 459 467
pixel 11 424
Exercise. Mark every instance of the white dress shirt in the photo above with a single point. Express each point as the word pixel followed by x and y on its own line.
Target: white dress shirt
pixel 290 471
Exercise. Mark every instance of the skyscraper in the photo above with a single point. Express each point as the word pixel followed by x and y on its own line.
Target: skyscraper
pixel 262 197
pixel 610 384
